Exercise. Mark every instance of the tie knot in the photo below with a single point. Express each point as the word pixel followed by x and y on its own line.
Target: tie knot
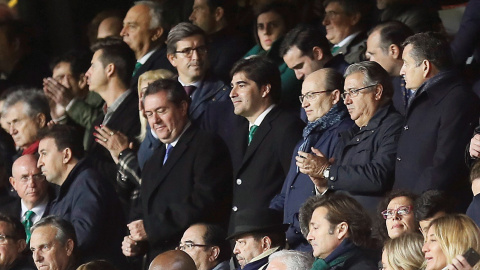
pixel 29 214
pixel 189 89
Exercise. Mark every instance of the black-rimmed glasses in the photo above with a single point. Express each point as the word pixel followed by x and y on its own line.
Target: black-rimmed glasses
pixel 188 52
pixel 190 245
pixel 311 95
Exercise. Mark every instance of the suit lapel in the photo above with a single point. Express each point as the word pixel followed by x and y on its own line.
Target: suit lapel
pixel 175 155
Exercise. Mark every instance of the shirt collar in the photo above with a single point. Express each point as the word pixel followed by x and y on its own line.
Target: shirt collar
pixel 146 56
pixel 196 84
pixel 39 209
pixel 347 40
pixel 178 138
pixel 262 116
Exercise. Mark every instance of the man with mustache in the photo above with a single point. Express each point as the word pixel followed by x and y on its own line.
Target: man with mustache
pixel 187 52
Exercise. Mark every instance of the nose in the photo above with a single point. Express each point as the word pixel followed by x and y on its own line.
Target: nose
pixel 425 247
pixel 347 100
pixel 305 103
pixel 195 55
pixel 309 236
pixel 36 256
pixel 268 29
pixel 298 74
pixel 233 93
pixel 124 31
pixel 236 250
pixel 402 70
pixel 192 17
pixel 326 20
pixel 39 162
pixel 12 130
pixel 397 216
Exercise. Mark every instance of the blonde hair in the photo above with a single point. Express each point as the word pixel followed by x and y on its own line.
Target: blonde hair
pixel 151 75
pixel 456 233
pixel 405 252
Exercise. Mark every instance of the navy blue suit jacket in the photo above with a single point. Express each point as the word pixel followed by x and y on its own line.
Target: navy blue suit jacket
pixel 208 93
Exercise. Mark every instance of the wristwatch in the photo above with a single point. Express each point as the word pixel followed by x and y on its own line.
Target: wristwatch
pixel 326 172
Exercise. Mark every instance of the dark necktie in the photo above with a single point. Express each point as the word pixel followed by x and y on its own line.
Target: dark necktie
pixel 253 129
pixel 27 223
pixel 169 149
pixel 190 89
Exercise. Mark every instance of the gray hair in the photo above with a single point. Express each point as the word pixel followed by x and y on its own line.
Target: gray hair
pixel 181 31
pixel 373 74
pixel 65 229
pixel 34 101
pixel 156 11
pixel 293 260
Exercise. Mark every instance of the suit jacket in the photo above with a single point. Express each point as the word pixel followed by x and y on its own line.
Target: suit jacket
pixel 92 206
pixel 158 60
pixel 400 94
pixel 439 124
pixel 473 210
pixel 194 185
pixel 261 167
pixel 208 93
pixel 298 186
pixel 125 119
pixel 354 51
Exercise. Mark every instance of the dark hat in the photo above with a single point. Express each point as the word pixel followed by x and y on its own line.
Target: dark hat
pixel 253 220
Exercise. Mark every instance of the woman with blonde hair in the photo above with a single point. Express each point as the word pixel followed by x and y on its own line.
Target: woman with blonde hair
pixel 403 252
pixel 447 239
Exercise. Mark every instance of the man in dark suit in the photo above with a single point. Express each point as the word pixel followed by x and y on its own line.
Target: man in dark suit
pixel 109 76
pixel 83 198
pixel 146 37
pixel 224 44
pixel 187 51
pixel 187 179
pixel 264 142
pixel 33 192
pixel 384 46
pixel 440 119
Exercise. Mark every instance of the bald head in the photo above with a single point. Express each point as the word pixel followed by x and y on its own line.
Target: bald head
pixel 28 181
pixel 173 260
pixel 316 77
pixel 110 26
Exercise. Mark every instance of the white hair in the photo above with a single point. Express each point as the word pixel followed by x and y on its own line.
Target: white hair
pixel 293 260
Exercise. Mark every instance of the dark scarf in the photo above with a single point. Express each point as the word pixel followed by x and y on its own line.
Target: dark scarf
pixel 341 254
pixel 313 130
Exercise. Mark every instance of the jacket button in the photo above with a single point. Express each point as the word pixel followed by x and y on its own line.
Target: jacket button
pixel 332 178
pixel 358 139
pixel 292 187
pixel 405 127
pixel 239 182
pixel 399 159
pixel 235 209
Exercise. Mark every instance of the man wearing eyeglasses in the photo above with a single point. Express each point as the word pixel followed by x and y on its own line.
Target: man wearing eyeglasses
pixel 187 52
pixel 207 246
pixel 327 118
pixel 12 244
pixel 32 188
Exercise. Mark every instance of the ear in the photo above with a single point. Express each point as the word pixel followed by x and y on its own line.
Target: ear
pixel 67 155
pixel 82 81
pixel 157 33
pixel 266 243
pixel 110 69
pixel 378 91
pixel 21 245
pixel 184 108
pixel 69 247
pixel 41 120
pixel 214 253
pixel 12 181
pixel 342 230
pixel 172 58
pixel 266 90
pixel 335 96
pixel 219 12
pixel 426 68
pixel 317 53
pixel 394 51
pixel 355 18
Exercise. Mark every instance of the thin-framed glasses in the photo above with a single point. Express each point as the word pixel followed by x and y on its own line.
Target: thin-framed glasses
pixel 311 95
pixel 35 177
pixel 401 211
pixel 188 52
pixel 190 245
pixel 355 92
pixel 3 238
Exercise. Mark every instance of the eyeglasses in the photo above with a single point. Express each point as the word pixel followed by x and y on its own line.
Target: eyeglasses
pixel 311 95
pixel 401 211
pixel 3 238
pixel 355 92
pixel 190 245
pixel 35 177
pixel 188 52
